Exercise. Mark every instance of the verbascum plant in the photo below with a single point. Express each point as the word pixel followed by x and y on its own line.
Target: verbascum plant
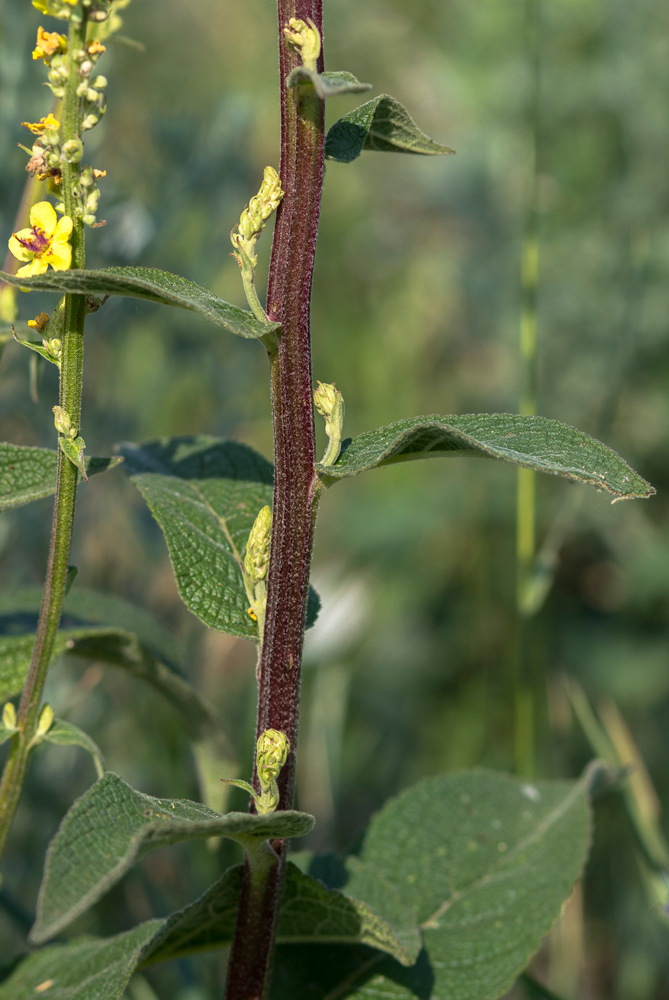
pixel 461 876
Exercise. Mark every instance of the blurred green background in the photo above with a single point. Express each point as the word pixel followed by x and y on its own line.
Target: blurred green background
pixel 416 310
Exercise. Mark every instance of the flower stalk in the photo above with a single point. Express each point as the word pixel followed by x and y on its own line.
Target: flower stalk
pixel 69 410
pixel 295 492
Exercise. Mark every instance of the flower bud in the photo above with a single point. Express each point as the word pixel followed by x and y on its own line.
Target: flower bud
pixel 256 560
pixel 9 716
pixel 45 721
pixel 63 423
pixel 330 404
pixel 306 39
pixel 73 150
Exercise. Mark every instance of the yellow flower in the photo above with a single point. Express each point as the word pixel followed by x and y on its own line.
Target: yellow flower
pixel 40 127
pixel 46 242
pixel 95 48
pixel 48 43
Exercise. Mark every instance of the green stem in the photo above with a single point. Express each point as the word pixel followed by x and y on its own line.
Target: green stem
pixel 63 514
pixel 524 694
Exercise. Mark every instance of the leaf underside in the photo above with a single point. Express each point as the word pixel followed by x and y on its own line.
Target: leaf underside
pixel 28 473
pixel 101 626
pixel 533 442
pixel 327 84
pixel 111 826
pixel 205 494
pixel 382 124
pixel 154 285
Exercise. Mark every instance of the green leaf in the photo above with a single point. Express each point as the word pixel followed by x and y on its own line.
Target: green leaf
pixel 381 124
pixel 101 626
pixel 30 473
pixel 16 650
pixel 326 972
pixel 534 990
pixel 107 629
pixel 205 495
pixel 64 734
pixel 474 867
pixel 309 913
pixel 74 450
pixel 533 442
pixel 112 826
pixel 154 285
pixel 326 84
pixel 84 970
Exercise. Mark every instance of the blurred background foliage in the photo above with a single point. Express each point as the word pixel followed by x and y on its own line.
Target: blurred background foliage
pixel 415 310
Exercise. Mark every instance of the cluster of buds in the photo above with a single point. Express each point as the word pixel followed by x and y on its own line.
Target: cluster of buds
pixel 52 346
pixel 271 755
pixel 98 10
pixel 87 196
pixel 244 238
pixel 272 751
pixel 91 89
pixel 256 565
pixel 254 218
pixel 330 404
pixel 306 39
pixel 47 155
pixel 68 438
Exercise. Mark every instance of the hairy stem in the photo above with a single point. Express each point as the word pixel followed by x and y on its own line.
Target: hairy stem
pixel 295 499
pixel 63 513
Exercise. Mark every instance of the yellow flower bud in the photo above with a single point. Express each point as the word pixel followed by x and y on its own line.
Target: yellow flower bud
pixel 9 716
pixel 330 404
pixel 45 720
pixel 256 560
pixel 306 39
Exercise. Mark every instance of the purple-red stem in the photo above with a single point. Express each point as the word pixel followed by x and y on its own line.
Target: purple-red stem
pixel 288 302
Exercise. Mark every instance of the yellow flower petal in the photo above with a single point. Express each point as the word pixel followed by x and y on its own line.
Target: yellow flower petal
pixel 43 216
pixel 63 229
pixel 59 256
pixel 40 127
pixel 17 249
pixel 37 266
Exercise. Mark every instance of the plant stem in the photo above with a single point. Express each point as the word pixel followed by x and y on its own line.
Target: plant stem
pixel 524 694
pixel 295 493
pixel 63 514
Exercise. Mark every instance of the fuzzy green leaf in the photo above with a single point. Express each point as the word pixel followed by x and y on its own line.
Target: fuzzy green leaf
pixel 64 734
pixel 30 473
pixel 107 629
pixel 100 626
pixel 327 84
pixel 154 285
pixel 112 826
pixel 533 442
pixel 16 650
pixel 382 124
pixel 309 913
pixel 83 970
pixel 205 494
pixel 470 871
